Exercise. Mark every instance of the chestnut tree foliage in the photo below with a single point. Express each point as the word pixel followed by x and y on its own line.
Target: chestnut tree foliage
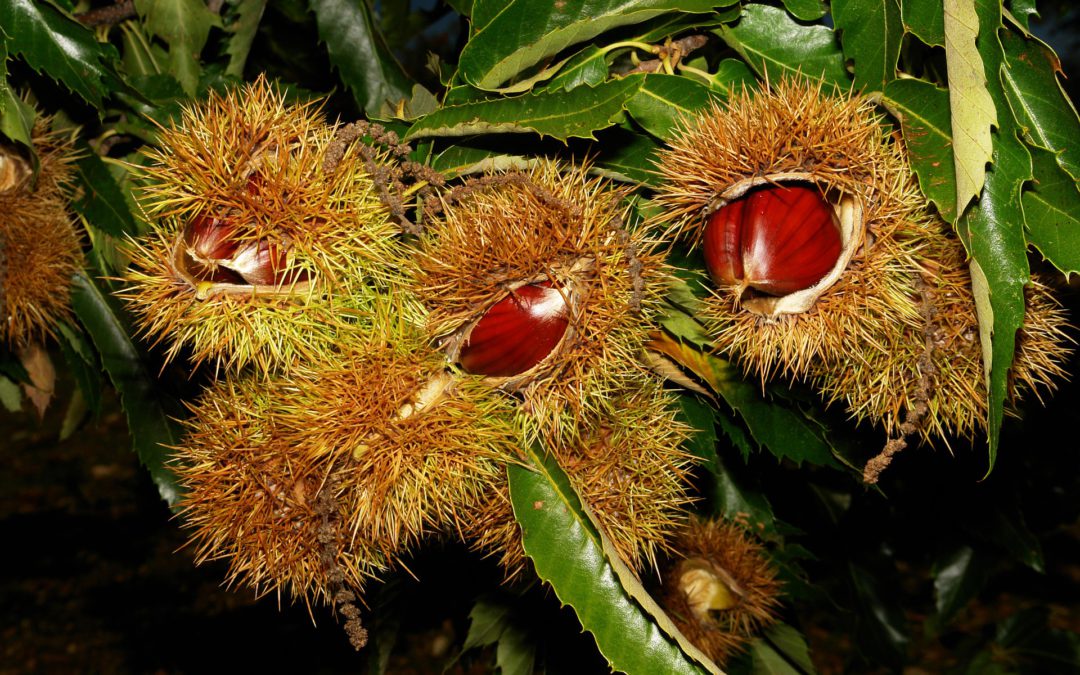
pixel 872 576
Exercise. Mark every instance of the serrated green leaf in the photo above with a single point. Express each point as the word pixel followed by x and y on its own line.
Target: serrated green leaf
pixel 1052 212
pixel 487 620
pixel 562 115
pixel 54 45
pixel 572 555
pixel 509 36
pixel 994 234
pixel 781 651
pixel 775 45
pixel 923 111
pixel 871 34
pixel 185 26
pixel 152 429
pixel 13 112
pixel 357 50
pixel 926 20
pixel 784 432
pixel 971 106
pixel 588 67
pixel 16 118
pixel 805 10
pixel 243 28
pixel 100 200
pixel 959 575
pixel 663 102
pixel 1040 106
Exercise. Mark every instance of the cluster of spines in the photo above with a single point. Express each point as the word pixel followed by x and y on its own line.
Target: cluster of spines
pixel 272 172
pixel 895 332
pixel 41 246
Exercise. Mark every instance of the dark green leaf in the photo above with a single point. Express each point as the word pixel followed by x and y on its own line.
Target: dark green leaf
pixel 871 33
pixel 571 554
pixel 882 630
pixel 152 430
pixel 487 621
pixel 923 111
pixel 462 7
pixel 1002 523
pixel 781 651
pixel 100 199
pixel 702 419
pixel 364 62
pixel 805 10
pixel 509 36
pixel 243 28
pixel 1046 117
pixel 669 25
pixel 1052 212
pixel 664 101
pixel 736 502
pixel 577 113
pixel 141 56
pixel 630 157
pixel 959 575
pixel 731 77
pixel 56 46
pixel 994 234
pixel 1023 10
pixel 82 364
pixel 185 26
pixel 926 20
pixel 516 652
pixel 784 432
pixel 776 45
pixel 1028 641
pixel 16 118
pixel 587 67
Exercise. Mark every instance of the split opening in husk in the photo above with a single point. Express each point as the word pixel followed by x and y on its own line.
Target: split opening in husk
pixel 848 216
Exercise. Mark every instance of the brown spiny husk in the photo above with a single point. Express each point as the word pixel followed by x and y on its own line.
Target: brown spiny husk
pixel 260 165
pixel 624 459
pixel 41 248
pixel 897 331
pixel 550 223
pixel 256 503
pixel 721 553
pixel 404 450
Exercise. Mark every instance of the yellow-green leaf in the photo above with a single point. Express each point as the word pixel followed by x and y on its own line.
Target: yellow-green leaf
pixel 972 107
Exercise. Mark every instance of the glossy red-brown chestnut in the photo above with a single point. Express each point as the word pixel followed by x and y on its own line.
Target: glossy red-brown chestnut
pixel 210 239
pixel 516 333
pixel 778 239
